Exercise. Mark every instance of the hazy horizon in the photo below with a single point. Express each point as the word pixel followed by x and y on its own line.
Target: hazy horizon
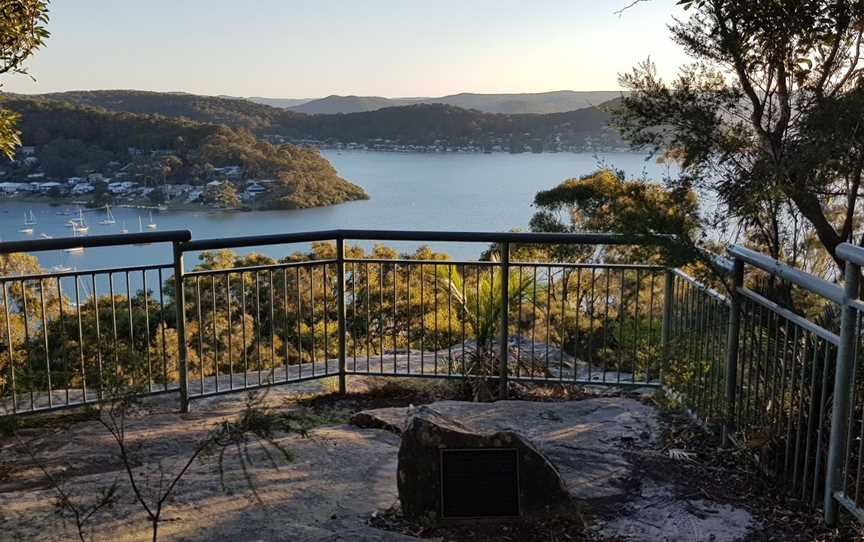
pixel 300 50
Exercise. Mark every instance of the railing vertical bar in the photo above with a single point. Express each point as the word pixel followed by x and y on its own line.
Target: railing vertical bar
pixel 213 314
pixel 505 322
pixel 408 316
pixel 325 289
pixel 464 317
pixel 799 429
pixel 622 308
pixel 98 335
pixel 299 316
pixel 369 319
pixel 381 326
pixel 577 333
pixel 449 319
pixel 562 343
pixel 591 305
pixel 80 338
pixel 243 329
pixel 354 315
pixel 395 317
pixel 45 337
pixel 732 346
pixel 823 400
pixel 147 330
pixel 257 323
pixel 200 332
pixel 550 293
pixel 843 380
pixel 422 323
pixel 131 321
pixel 230 323
pixel 272 327
pixel 9 345
pixel 437 334
pixel 518 325
pixel 787 455
pixel 533 321
pixel 64 353
pixel 636 326
pixel 27 343
pixel 164 331
pixel 811 418
pixel 286 325
pixel 341 316
pixel 114 334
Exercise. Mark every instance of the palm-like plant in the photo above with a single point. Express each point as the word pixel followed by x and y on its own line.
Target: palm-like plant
pixel 480 307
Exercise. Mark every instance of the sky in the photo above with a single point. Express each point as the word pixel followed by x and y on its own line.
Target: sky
pixel 314 48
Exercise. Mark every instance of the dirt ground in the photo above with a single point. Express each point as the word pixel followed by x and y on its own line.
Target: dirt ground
pixel 341 485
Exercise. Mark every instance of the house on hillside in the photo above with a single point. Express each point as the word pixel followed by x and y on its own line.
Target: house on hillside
pixel 82 188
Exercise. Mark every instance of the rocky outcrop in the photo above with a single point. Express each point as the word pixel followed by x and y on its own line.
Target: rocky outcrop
pixel 426 433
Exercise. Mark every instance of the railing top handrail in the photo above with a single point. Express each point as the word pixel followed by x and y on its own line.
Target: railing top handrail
pixel 42 245
pixel 795 276
pixel 584 238
pixel 850 253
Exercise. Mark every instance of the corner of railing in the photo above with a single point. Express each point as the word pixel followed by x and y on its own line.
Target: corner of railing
pixel 854 257
pixel 180 302
pixel 732 345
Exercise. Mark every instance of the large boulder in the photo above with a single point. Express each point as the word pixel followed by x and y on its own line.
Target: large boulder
pixel 426 433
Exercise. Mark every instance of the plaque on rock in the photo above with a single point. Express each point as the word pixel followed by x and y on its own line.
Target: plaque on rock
pixel 448 470
pixel 477 483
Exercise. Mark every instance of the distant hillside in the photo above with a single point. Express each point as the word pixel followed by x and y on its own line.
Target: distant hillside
pixel 235 112
pixel 440 125
pixel 431 126
pixel 348 104
pixel 543 102
pixel 274 102
pixel 153 150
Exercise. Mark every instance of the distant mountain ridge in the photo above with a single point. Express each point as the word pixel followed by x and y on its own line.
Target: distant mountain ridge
pixel 559 101
pixel 418 126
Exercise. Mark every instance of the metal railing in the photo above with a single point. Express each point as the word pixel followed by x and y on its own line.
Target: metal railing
pixel 788 388
pixel 344 315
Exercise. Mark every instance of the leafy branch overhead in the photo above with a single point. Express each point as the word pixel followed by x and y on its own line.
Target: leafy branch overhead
pixel 22 32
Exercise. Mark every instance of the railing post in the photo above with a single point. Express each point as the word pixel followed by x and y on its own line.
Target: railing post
pixel 340 292
pixel 732 345
pixel 180 302
pixel 842 385
pixel 505 321
pixel 666 323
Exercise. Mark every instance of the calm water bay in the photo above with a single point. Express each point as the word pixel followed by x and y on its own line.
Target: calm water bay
pixel 410 191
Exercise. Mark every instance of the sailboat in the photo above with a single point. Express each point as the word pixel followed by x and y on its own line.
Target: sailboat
pixel 151 225
pixel 29 222
pixel 81 226
pixel 109 218
pixel 74 250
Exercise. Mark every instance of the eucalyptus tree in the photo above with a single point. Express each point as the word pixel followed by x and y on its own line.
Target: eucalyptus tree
pixel 766 118
pixel 22 31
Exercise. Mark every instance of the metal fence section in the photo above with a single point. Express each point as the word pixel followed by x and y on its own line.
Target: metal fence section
pixel 258 326
pixel 72 338
pixel 696 344
pixel 572 323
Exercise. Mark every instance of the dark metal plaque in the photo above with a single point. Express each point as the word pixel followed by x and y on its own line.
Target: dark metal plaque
pixel 478 483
